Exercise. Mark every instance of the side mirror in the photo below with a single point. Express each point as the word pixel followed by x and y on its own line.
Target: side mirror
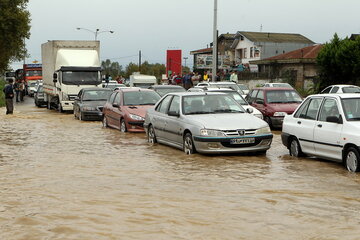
pixel 173 114
pixel 334 119
pixel 115 105
pixel 249 110
pixel 55 77
pixel 259 101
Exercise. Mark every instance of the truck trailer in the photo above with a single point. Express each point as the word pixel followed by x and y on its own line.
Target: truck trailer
pixel 69 66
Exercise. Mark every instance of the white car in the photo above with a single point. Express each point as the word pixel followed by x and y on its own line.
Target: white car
pixel 326 126
pixel 224 84
pixel 341 89
pixel 244 88
pixel 279 84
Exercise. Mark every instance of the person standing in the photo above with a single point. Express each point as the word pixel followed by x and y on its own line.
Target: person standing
pixel 9 95
pixel 22 90
pixel 234 77
pixel 205 77
pixel 16 86
pixel 187 81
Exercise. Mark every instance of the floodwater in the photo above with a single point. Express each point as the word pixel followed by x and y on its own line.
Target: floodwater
pixel 65 179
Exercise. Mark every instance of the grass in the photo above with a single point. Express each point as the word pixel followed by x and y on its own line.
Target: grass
pixel 2 97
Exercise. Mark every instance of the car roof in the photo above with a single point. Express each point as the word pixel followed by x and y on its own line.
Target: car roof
pixel 273 88
pixel 134 89
pixel 339 95
pixel 210 89
pixel 195 93
pixel 96 88
pixel 166 86
pixel 342 85
pixel 223 82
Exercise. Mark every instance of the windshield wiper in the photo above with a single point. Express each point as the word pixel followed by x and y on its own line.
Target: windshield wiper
pixel 228 111
pixel 198 112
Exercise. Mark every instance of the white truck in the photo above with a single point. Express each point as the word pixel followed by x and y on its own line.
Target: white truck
pixel 143 81
pixel 69 66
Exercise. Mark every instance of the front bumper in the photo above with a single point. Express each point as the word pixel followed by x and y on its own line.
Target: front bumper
pixel 223 145
pixel 67 105
pixel 135 126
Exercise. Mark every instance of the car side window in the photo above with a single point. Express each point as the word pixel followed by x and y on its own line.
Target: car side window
pixel 329 108
pixel 310 109
pixel 334 90
pixel 260 97
pixel 326 90
pixel 302 110
pixel 163 107
pixel 79 94
pixel 175 105
pixel 112 97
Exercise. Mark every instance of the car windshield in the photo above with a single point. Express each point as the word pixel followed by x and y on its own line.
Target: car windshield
pixel 163 91
pixel 81 78
pixel 351 89
pixel 210 104
pixel 283 96
pixel 141 98
pixel 96 95
pixel 243 87
pixel 281 85
pixel 351 108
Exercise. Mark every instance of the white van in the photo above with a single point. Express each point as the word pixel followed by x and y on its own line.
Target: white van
pixel 142 81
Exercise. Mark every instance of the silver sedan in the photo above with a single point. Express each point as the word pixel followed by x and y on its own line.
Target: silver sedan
pixel 206 122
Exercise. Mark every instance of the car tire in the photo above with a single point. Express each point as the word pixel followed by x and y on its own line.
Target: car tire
pixel 294 148
pixel 188 144
pixel 151 135
pixel 123 126
pixel 352 158
pixel 104 122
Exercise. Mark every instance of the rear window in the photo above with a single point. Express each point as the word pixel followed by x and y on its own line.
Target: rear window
pixel 283 96
pixel 351 90
pixel 140 98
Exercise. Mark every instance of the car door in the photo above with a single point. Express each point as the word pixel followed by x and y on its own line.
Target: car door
pixel 173 126
pixel 304 123
pixel 77 103
pixel 110 111
pixel 160 117
pixel 327 134
pixel 116 113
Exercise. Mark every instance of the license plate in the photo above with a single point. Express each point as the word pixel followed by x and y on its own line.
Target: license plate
pixel 242 140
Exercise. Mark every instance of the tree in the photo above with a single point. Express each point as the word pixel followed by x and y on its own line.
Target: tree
pixel 113 69
pixel 339 62
pixel 14 28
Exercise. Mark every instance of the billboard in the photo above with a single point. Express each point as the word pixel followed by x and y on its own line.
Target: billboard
pixel 173 62
pixel 204 61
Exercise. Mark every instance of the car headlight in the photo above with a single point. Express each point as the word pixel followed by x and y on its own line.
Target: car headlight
pixel 136 117
pixel 280 114
pixel 259 116
pixel 89 109
pixel 211 133
pixel 263 130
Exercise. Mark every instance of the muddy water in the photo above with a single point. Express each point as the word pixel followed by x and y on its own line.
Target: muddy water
pixel 65 179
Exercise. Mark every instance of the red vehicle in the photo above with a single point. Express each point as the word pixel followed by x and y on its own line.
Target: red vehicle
pixel 126 108
pixel 29 72
pixel 274 103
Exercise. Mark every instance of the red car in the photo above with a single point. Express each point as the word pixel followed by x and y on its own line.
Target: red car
pixel 274 103
pixel 126 108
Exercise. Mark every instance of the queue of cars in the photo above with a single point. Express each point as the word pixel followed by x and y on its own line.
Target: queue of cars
pixel 215 118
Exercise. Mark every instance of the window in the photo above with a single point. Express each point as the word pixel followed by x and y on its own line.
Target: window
pixel 302 109
pixel 245 53
pixel 175 105
pixel 163 106
pixel 310 109
pixel 326 90
pixel 260 97
pixel 112 97
pixel 351 108
pixel 328 109
pixel 334 90
pixel 251 52
pixel 117 99
pixel 252 96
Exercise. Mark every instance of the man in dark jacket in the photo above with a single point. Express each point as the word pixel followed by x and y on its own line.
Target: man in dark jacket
pixel 9 95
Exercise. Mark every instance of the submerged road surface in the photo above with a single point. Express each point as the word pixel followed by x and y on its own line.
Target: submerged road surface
pixel 65 179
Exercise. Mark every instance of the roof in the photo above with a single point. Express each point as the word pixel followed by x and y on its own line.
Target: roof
pixel 339 95
pixel 204 50
pixel 354 36
pixel 275 37
pixel 228 36
pixel 308 54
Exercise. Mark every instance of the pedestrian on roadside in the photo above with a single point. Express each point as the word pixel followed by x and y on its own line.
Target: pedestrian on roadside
pixel 178 80
pixel 187 81
pixel 195 79
pixel 234 77
pixel 22 90
pixel 9 95
pixel 205 77
pixel 16 87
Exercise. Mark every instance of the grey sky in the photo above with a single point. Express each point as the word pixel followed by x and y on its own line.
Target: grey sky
pixel 154 26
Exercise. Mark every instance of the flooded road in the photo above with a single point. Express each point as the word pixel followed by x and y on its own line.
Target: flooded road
pixel 65 179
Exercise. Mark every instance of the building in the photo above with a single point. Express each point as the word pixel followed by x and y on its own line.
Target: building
pixel 252 46
pixel 298 66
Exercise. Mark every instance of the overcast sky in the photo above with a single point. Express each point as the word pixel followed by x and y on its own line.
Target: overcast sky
pixel 153 26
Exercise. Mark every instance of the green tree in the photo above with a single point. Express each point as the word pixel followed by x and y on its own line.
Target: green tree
pixel 339 62
pixel 113 69
pixel 14 28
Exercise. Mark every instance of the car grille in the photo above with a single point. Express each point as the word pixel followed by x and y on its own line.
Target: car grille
pixel 236 133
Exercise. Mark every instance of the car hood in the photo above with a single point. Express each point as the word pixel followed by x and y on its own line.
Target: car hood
pixel 139 110
pixel 289 108
pixel 227 121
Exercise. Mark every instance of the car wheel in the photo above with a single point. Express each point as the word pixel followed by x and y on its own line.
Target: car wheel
pixel 123 126
pixel 352 160
pixel 151 135
pixel 104 122
pixel 268 120
pixel 189 147
pixel 294 148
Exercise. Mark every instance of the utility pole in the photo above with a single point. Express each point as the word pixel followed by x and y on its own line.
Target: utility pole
pixel 140 61
pixel 185 58
pixel 214 67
